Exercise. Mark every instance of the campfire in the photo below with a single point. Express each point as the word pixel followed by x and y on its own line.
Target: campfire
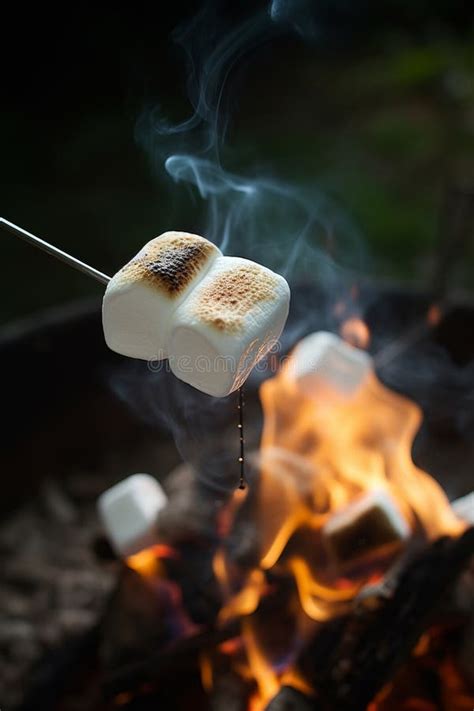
pixel 337 528
pixel 340 577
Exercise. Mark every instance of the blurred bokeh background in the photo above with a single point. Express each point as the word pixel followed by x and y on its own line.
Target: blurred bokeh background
pixel 376 109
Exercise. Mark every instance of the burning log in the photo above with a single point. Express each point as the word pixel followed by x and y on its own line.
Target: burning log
pixel 230 692
pixel 353 657
pixel 289 699
pixel 154 667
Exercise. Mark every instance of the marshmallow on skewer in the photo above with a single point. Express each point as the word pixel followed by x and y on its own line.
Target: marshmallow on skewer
pixel 129 512
pixel 323 359
pixel 371 524
pixel 141 298
pixel 227 324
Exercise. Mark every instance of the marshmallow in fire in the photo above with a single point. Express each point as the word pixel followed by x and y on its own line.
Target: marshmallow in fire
pixel 213 317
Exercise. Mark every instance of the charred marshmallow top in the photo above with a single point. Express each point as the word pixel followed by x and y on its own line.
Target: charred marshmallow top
pixel 170 263
pixel 141 298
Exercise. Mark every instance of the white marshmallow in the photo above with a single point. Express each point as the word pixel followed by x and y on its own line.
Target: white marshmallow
pixel 227 324
pixel 141 298
pixel 372 522
pixel 464 507
pixel 323 359
pixel 129 512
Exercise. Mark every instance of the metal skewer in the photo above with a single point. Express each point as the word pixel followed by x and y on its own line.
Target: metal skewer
pixel 54 251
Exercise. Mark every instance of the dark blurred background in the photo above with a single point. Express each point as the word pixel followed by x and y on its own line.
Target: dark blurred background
pixel 375 106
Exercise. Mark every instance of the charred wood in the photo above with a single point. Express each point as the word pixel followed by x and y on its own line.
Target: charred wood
pixel 374 640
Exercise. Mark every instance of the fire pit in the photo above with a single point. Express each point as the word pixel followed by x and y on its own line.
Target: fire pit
pixel 339 579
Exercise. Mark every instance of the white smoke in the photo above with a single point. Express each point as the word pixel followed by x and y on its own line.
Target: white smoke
pixel 295 230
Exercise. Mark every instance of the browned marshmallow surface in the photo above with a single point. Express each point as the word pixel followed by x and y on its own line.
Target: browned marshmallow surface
pixel 224 303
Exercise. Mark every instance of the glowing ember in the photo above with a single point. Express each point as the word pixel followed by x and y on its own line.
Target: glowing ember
pixel 355 332
pixel 147 561
pixel 207 674
pixel 434 315
pixel 123 699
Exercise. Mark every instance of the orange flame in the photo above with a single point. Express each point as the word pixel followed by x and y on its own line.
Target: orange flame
pixel 246 600
pixel 147 561
pixel 322 458
pixel 293 677
pixel 262 672
pixel 207 671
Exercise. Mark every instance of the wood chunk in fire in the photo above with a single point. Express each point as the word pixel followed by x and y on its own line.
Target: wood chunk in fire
pixel 289 699
pixel 371 525
pixel 353 657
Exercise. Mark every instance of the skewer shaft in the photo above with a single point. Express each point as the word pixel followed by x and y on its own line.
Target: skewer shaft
pixel 240 426
pixel 54 251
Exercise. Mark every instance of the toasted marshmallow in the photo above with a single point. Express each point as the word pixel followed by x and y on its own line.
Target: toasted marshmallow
pixel 227 324
pixel 371 524
pixel 129 512
pixel 322 360
pixel 141 298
